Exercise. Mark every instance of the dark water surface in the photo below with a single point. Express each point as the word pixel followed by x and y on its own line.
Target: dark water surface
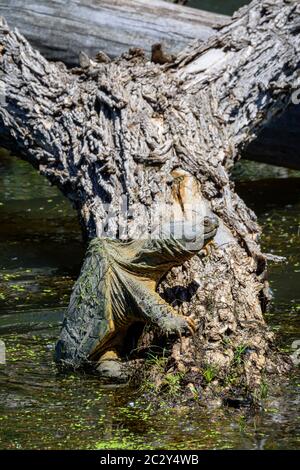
pixel 40 256
pixel 226 7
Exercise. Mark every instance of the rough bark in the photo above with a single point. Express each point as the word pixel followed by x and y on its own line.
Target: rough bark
pixel 121 129
pixel 60 30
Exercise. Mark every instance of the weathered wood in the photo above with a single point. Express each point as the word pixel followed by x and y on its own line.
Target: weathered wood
pixel 131 128
pixel 61 29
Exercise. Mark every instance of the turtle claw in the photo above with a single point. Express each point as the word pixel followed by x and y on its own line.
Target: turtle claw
pixel 193 324
pixel 178 324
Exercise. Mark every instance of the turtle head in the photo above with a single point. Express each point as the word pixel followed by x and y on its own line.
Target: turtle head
pixel 193 235
pixel 198 234
pixel 211 224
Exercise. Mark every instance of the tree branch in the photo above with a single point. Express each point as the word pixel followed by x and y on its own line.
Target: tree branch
pixel 247 73
pixel 84 26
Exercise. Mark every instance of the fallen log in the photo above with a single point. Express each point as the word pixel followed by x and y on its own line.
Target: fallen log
pixel 60 30
pixel 162 138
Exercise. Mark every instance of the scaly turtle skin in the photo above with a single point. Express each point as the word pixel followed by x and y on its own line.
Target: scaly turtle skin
pixel 117 287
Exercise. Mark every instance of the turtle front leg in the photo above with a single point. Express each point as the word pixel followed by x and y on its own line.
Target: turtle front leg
pixel 153 309
pixel 167 319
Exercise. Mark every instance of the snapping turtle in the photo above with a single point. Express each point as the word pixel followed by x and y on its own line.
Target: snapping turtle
pixel 117 287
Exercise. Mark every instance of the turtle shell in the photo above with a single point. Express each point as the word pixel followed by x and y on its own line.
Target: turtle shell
pixel 88 318
pixel 116 287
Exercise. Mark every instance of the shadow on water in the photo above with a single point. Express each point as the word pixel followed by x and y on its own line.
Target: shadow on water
pixel 40 256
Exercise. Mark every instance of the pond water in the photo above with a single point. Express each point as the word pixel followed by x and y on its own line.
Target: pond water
pixel 226 7
pixel 40 256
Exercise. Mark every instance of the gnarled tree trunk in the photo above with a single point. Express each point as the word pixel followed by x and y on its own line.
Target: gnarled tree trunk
pixel 60 30
pixel 119 130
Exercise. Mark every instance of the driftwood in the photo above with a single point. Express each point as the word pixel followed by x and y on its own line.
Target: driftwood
pixel 130 128
pixel 61 29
